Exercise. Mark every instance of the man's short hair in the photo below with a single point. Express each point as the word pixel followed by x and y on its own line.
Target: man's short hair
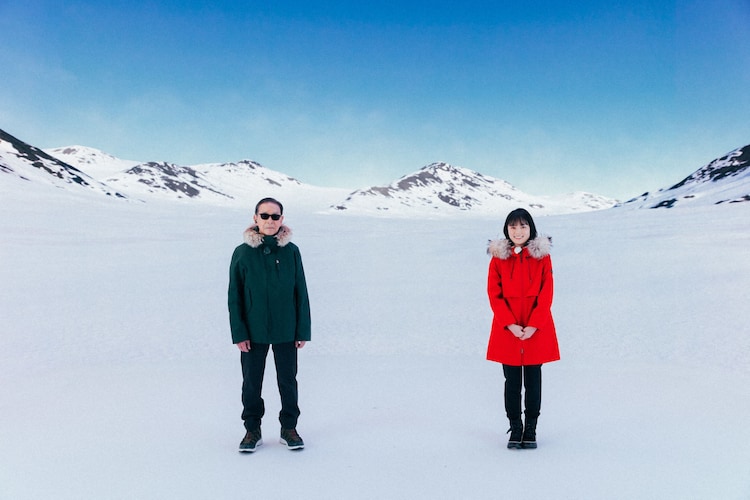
pixel 270 200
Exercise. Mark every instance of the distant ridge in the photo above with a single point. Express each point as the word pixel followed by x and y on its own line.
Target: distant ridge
pixel 436 189
pixel 167 180
pixel 723 180
pixel 441 188
pixel 94 162
pixel 33 164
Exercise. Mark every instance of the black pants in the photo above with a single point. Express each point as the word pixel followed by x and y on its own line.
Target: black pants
pixel 531 379
pixel 253 368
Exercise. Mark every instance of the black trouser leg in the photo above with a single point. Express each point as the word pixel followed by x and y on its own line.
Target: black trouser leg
pixel 532 383
pixel 513 379
pixel 531 379
pixel 285 357
pixel 253 368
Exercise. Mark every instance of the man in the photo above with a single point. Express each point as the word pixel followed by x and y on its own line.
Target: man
pixel 268 308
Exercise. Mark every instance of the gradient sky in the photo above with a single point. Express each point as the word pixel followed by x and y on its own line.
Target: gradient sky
pixel 614 98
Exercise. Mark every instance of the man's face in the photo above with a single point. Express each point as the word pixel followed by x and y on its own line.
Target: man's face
pixel 268 226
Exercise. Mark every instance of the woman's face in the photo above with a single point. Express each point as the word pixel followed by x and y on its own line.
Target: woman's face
pixel 519 233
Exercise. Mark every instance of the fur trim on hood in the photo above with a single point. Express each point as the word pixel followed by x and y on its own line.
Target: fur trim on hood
pixel 253 238
pixel 538 248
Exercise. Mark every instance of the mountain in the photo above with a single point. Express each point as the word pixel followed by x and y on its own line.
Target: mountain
pixel 166 180
pixel 247 181
pixel 238 178
pixel 233 183
pixel 141 179
pixel 165 177
pixel 724 180
pixel 94 162
pixel 29 163
pixel 441 188
pixel 436 189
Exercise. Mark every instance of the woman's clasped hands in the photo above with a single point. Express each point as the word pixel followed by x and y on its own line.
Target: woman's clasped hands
pixel 523 333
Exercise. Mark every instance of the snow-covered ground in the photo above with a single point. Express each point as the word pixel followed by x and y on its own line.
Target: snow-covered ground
pixel 119 379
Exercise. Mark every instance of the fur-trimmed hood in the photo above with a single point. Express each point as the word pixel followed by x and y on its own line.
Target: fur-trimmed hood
pixel 538 248
pixel 254 239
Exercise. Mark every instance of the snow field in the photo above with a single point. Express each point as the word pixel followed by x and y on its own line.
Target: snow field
pixel 119 379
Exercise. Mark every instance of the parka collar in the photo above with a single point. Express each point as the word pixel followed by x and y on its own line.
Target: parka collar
pixel 538 248
pixel 254 239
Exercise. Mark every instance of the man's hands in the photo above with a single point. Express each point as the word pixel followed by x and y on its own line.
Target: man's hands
pixel 522 333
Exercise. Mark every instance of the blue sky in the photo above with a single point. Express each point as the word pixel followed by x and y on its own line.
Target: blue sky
pixel 614 98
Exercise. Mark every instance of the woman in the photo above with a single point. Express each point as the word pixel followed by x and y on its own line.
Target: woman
pixel 523 337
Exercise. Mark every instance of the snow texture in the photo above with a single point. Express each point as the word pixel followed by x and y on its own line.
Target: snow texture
pixel 119 379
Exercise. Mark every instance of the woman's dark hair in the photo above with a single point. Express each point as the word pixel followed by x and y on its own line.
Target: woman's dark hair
pixel 520 215
pixel 270 200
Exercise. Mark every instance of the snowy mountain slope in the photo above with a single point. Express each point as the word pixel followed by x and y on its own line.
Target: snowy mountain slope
pixel 239 183
pixel 237 175
pixel 29 163
pixel 166 180
pixel 724 180
pixel 441 188
pixel 247 181
pixel 96 163
pixel 436 189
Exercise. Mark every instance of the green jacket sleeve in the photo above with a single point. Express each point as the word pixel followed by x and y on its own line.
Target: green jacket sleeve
pixel 302 301
pixel 236 301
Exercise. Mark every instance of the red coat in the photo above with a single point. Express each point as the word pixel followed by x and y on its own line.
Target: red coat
pixel 520 292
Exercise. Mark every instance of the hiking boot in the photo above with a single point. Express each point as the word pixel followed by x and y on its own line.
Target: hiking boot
pixel 291 439
pixel 516 435
pixel 251 441
pixel 529 434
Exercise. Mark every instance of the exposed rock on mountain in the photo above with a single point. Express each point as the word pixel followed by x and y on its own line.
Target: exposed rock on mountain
pixel 724 180
pixel 29 163
pixel 440 188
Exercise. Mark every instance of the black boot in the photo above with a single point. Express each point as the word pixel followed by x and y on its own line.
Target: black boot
pixel 529 434
pixel 516 434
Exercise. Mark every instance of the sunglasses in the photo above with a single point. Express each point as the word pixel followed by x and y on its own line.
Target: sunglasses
pixel 272 216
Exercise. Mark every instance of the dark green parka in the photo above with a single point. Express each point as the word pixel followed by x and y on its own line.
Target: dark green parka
pixel 268 301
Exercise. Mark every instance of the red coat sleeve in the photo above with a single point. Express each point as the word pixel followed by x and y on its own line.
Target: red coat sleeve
pixel 503 315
